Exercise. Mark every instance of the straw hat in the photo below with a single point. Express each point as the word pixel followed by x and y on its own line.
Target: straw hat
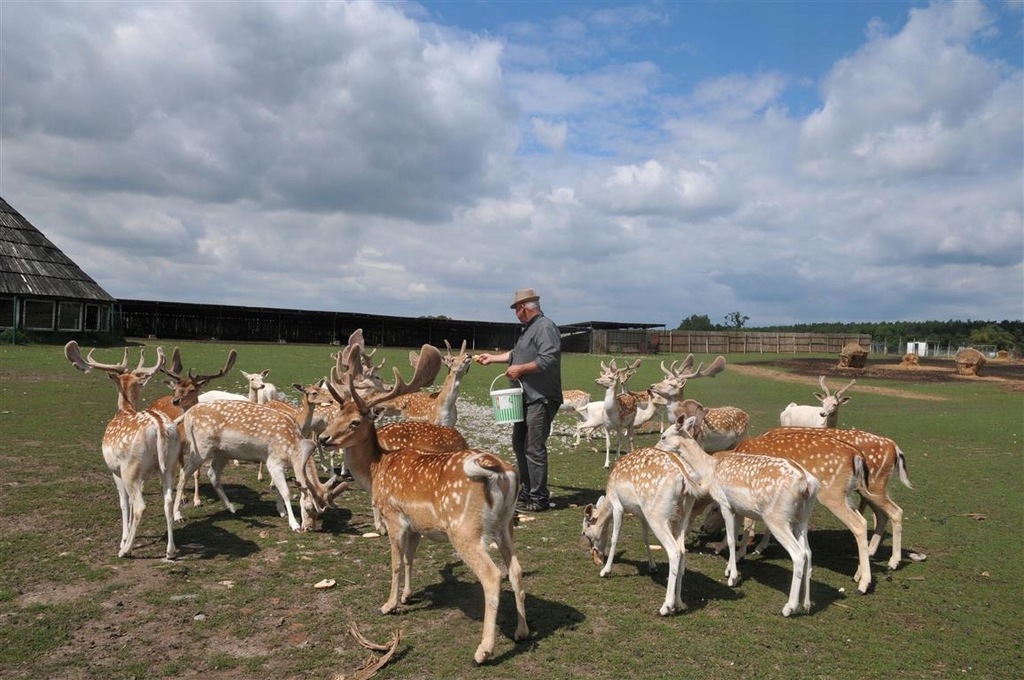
pixel 524 295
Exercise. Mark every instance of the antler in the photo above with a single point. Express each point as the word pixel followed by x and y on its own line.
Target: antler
pixel 229 362
pixel 426 370
pixel 85 364
pixel 840 392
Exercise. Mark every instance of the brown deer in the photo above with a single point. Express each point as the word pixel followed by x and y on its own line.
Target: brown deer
pixel 437 407
pixel 136 443
pixel 468 495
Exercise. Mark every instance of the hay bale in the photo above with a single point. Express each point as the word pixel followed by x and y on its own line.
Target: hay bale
pixel 910 359
pixel 853 356
pixel 969 361
pixel 1003 355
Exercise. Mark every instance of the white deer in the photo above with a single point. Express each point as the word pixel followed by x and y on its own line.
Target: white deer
pixel 825 415
pixel 467 495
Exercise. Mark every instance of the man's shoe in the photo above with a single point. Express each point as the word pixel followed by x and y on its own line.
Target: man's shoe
pixel 531 506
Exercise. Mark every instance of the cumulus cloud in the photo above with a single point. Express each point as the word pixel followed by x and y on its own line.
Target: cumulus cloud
pixel 370 157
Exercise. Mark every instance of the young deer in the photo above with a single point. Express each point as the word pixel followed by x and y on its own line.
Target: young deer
pixel 840 471
pixel 719 428
pixel 242 430
pixel 467 495
pixel 136 443
pixel 774 490
pixel 652 485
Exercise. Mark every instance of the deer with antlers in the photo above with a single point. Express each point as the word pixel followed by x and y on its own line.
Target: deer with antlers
pixel 826 415
pixel 437 407
pixel 137 443
pixel 722 427
pixel 186 389
pixel 467 495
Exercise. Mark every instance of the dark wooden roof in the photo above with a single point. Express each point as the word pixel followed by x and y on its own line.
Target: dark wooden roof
pixel 31 265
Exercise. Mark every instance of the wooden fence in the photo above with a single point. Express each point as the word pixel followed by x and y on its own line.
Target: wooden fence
pixel 720 342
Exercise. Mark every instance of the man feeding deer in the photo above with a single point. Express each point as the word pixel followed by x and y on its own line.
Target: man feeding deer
pixel 536 362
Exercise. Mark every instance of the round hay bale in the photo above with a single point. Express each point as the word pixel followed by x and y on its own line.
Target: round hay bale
pixel 1003 355
pixel 969 361
pixel 853 356
pixel 910 359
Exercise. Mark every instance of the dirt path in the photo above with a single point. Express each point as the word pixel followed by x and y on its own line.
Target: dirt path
pixel 782 376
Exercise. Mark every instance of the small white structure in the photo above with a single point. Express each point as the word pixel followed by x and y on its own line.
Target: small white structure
pixel 918 348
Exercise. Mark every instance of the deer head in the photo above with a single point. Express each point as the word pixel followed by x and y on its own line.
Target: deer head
pixel 129 382
pixel 185 389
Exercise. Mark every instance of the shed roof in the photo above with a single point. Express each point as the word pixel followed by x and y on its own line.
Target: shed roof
pixel 31 265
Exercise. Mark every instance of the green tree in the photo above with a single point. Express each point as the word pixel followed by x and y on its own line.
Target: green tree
pixel 736 320
pixel 991 335
pixel 696 322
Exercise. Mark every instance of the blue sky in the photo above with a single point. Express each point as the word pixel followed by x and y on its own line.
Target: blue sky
pixel 793 161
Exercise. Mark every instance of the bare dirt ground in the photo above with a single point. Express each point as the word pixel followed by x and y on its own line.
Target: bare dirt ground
pixel 1010 374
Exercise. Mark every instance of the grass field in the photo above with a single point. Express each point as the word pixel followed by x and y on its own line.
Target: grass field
pixel 240 601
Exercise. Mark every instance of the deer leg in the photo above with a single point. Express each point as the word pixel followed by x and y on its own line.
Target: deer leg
pixel 475 555
pixel 885 510
pixel 670 542
pixel 616 526
pixel 732 573
pixel 784 535
pixel 856 523
pixel 412 543
pixel 169 510
pixel 122 499
pixel 277 476
pixel 196 500
pixel 136 504
pixel 216 466
pixel 515 576
pixel 398 536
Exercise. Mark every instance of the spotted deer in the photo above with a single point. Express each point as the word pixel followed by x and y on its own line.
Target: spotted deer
pixel 652 485
pixel 840 470
pixel 882 457
pixel 437 407
pixel 825 415
pixel 242 430
pixel 777 491
pixel 467 495
pixel 719 428
pixel 669 391
pixel 137 443
pixel 619 409
pixel 185 391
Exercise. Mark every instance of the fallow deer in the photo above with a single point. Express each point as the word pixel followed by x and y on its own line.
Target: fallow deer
pixel 619 409
pixel 774 490
pixel 185 391
pixel 438 408
pixel 241 430
pixel 468 495
pixel 652 485
pixel 840 470
pixel 825 415
pixel 136 443
pixel 719 428
pixel 881 458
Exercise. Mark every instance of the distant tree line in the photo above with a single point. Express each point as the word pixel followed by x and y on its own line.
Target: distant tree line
pixel 1008 335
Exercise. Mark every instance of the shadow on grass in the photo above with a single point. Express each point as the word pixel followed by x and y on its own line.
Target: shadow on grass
pixel 831 549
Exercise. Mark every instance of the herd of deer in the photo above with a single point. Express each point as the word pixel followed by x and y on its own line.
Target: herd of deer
pixel 425 480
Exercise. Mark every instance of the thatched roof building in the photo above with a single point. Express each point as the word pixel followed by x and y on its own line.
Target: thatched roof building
pixel 42 291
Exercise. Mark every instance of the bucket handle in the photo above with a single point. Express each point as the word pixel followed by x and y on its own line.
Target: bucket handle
pixel 501 375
